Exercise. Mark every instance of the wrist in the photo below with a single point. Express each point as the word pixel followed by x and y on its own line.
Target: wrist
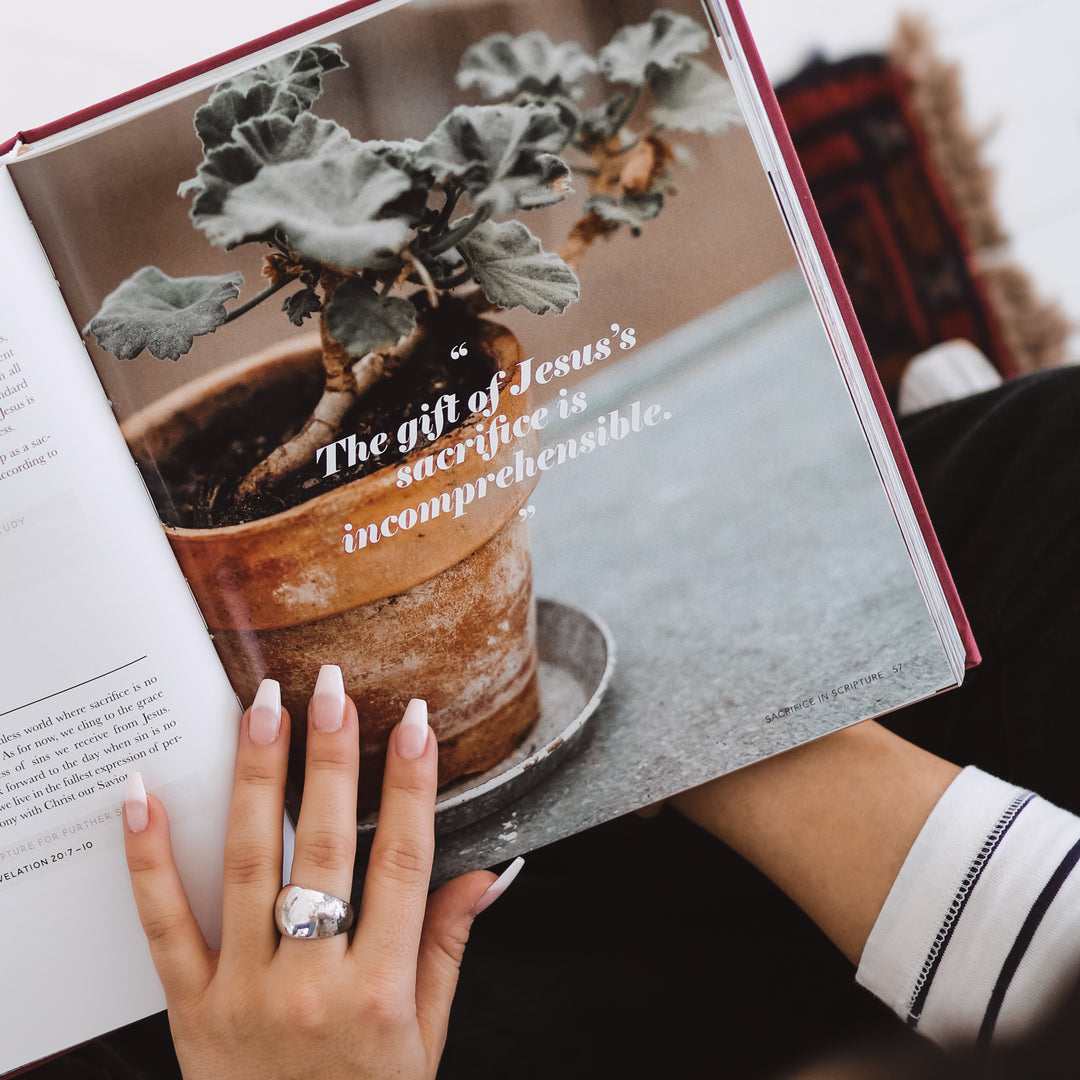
pixel 830 822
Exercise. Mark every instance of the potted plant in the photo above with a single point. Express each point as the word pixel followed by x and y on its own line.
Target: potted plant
pixel 346 504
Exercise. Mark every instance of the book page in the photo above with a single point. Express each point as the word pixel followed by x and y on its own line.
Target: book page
pixel 106 667
pixel 623 537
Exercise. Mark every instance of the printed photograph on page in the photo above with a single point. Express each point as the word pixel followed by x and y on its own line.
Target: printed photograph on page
pixel 466 347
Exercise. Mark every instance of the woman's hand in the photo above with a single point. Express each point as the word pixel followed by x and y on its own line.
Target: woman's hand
pixel 267 1006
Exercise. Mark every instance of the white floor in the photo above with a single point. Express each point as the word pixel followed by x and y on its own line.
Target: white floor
pixel 1020 72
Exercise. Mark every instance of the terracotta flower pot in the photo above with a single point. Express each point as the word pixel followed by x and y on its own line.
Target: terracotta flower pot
pixel 439 608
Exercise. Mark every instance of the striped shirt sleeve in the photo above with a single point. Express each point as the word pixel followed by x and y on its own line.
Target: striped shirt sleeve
pixel 981 930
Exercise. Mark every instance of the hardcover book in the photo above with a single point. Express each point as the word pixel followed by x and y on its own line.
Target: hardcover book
pixel 525 384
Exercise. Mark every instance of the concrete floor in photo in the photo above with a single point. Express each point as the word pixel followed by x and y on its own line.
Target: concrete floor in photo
pixel 742 552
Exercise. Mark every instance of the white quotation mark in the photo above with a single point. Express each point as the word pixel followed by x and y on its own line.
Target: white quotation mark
pixel 526 512
pixel 458 351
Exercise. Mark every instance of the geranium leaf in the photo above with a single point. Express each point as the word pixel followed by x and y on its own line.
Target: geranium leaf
pixel 402 154
pixel 327 210
pixel 270 140
pixel 227 108
pixel 363 321
pixel 604 120
pixel 546 182
pixel 503 65
pixel 301 305
pixel 266 140
pixel 662 42
pixel 631 210
pixel 693 97
pixel 161 314
pixel 514 271
pixel 504 155
pixel 288 85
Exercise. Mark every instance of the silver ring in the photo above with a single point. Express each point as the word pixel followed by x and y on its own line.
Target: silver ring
pixel 308 913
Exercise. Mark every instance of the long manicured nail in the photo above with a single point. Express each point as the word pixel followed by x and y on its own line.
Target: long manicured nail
pixel 136 810
pixel 413 730
pixel 264 721
pixel 498 887
pixel 328 701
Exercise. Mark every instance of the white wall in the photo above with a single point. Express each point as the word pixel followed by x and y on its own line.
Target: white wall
pixel 1020 72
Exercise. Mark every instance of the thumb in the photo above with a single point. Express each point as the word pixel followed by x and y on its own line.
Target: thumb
pixel 447 922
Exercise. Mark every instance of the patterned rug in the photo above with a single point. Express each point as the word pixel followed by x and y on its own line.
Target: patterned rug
pixel 907 206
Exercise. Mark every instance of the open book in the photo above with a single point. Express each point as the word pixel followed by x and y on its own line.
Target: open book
pixel 543 401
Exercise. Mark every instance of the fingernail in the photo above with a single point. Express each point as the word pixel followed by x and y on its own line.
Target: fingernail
pixel 413 730
pixel 264 721
pixel 136 810
pixel 328 701
pixel 498 887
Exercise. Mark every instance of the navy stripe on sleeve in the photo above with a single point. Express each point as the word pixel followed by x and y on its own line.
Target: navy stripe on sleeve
pixel 1023 942
pixel 959 902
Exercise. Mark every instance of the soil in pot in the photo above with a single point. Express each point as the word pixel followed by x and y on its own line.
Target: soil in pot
pixel 193 486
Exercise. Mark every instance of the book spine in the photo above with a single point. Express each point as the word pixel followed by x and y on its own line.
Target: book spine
pixel 182 75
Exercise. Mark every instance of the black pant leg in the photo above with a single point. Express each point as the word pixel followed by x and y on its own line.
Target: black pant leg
pixel 1000 473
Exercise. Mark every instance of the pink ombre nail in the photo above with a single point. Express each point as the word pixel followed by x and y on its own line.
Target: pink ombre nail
pixel 328 701
pixel 136 810
pixel 413 730
pixel 498 887
pixel 264 721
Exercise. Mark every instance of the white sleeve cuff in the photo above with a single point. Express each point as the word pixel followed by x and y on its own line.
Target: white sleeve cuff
pixel 981 930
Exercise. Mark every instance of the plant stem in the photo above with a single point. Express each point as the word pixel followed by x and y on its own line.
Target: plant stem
pixel 624 116
pixel 426 279
pixel 453 282
pixel 453 195
pixel 586 231
pixel 269 291
pixel 347 379
pixel 459 232
pixel 322 426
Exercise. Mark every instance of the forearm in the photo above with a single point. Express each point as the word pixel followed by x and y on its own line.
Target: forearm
pixel 830 822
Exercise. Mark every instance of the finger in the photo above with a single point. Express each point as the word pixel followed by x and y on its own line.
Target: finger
pixel 399 868
pixel 447 923
pixel 180 954
pixel 253 839
pixel 326 830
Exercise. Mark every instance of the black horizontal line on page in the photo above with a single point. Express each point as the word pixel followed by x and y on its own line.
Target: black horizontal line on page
pixel 85 682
